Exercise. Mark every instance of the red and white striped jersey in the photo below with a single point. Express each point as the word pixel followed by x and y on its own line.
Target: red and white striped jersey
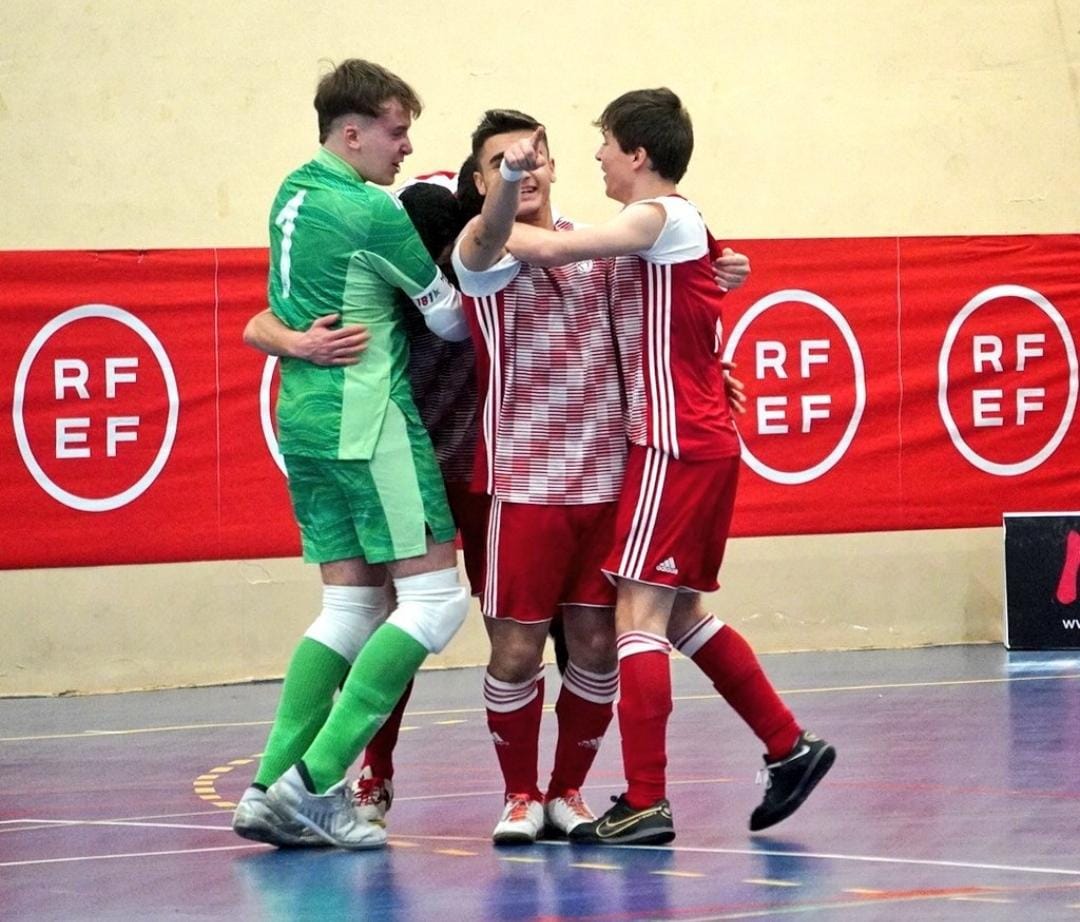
pixel 666 307
pixel 551 426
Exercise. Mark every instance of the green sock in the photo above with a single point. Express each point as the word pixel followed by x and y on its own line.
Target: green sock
pixel 384 667
pixel 314 674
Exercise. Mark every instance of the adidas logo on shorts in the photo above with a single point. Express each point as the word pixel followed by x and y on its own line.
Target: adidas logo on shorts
pixel 668 566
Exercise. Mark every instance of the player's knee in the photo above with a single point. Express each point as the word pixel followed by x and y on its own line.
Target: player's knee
pixel 349 616
pixel 595 653
pixel 515 660
pixel 431 607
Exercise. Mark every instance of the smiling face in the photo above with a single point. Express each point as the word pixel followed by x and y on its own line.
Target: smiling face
pixel 534 194
pixel 379 145
pixel 618 168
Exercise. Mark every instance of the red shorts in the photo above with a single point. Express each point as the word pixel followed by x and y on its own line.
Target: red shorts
pixel 541 557
pixel 470 511
pixel 673 520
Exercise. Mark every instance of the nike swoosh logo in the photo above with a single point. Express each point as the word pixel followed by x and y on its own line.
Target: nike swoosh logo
pixel 803 750
pixel 606 829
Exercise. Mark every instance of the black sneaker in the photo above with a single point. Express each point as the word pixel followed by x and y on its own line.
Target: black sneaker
pixel 623 825
pixel 789 782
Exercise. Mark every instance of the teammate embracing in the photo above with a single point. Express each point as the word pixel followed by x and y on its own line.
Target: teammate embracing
pixel 363 477
pixel 677 499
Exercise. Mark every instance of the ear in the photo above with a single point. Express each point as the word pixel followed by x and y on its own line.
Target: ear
pixel 640 159
pixel 350 134
pixel 551 167
pixel 478 181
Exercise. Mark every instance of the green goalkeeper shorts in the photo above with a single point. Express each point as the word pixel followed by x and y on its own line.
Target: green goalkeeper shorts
pixel 381 509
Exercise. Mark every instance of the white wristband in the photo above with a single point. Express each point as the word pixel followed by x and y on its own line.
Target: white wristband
pixel 509 173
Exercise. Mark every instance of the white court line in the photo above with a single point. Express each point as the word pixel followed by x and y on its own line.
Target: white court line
pixel 777 853
pixel 20 825
pixel 174 851
pixel 874 859
pixel 690 850
pixel 943 683
pixel 45 824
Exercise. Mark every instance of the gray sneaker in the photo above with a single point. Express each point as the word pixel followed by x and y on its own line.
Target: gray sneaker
pixel 332 816
pixel 254 819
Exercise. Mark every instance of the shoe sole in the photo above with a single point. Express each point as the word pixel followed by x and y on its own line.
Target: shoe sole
pixel 818 769
pixel 551 831
pixel 291 814
pixel 513 838
pixel 652 837
pixel 331 840
pixel 260 831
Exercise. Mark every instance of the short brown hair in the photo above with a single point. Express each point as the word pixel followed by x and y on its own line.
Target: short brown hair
pixel 656 121
pixel 500 121
pixel 361 87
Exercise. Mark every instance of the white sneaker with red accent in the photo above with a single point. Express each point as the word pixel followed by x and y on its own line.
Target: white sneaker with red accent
pixel 565 812
pixel 521 822
pixel 373 796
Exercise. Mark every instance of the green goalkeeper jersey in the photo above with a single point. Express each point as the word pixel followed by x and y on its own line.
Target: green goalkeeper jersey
pixel 341 245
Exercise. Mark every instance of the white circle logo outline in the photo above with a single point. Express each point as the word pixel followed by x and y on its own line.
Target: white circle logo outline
pixel 73 500
pixel 810 299
pixel 265 417
pixel 973 457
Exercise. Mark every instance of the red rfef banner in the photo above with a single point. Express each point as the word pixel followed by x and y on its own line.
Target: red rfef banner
pixel 130 429
pixel 894 383
pixel 906 382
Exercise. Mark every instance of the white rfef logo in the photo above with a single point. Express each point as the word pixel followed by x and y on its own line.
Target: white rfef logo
pixel 266 411
pixel 1007 380
pixel 89 414
pixel 810 385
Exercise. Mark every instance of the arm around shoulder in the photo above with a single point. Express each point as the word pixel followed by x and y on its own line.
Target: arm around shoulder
pixel 631 231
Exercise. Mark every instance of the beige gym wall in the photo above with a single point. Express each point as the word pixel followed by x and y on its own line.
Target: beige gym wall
pixel 170 124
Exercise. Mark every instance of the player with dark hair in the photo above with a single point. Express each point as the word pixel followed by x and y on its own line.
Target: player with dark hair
pixel 552 455
pixel 676 503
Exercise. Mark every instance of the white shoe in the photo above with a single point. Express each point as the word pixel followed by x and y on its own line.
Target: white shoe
pixel 521 821
pixel 254 819
pixel 373 796
pixel 331 816
pixel 564 813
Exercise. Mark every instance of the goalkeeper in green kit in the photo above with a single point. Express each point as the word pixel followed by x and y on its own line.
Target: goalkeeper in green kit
pixel 364 482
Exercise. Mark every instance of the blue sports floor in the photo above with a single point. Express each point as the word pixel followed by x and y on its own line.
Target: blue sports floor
pixel 955 796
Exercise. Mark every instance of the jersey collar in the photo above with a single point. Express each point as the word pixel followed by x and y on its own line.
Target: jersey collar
pixel 336 165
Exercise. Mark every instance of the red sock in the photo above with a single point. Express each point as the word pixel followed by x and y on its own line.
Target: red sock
pixel 516 732
pixel 644 706
pixel 584 711
pixel 379 754
pixel 723 654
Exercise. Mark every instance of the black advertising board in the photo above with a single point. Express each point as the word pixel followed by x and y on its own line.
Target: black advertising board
pixel 1042 581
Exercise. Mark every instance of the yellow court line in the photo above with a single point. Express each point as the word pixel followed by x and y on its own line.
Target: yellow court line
pixel 766 882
